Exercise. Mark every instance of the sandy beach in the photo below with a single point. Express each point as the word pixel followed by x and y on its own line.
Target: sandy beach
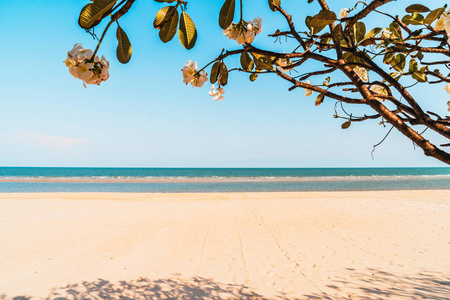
pixel 296 245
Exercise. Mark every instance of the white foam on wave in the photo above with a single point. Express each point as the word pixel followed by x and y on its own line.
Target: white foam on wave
pixel 229 179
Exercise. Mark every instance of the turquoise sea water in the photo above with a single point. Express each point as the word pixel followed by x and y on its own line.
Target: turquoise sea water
pixel 219 179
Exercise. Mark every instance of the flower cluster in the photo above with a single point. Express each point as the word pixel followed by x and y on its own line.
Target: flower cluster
pixel 344 13
pixel 82 66
pixel 308 91
pixel 378 89
pixel 244 32
pixel 362 73
pixel 447 88
pixel 216 94
pixel 386 34
pixel 282 63
pixel 192 76
pixel 443 23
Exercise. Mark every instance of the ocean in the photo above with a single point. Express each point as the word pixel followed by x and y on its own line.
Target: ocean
pixel 208 180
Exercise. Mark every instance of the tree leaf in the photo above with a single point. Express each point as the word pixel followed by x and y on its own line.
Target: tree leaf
pixel 388 57
pixel 214 72
pixel 313 30
pixel 253 76
pixel 262 62
pixel 417 8
pixel 415 19
pixel 163 15
pixel 93 13
pixel 419 76
pixel 395 29
pixel 277 2
pixel 337 33
pixel 372 33
pixel 359 31
pixel 124 47
pixel 226 14
pixel 323 18
pixel 319 99
pixel 434 15
pixel 223 78
pixel 413 66
pixel 187 31
pixel 399 62
pixel 169 28
pixel 246 62
pixel 346 125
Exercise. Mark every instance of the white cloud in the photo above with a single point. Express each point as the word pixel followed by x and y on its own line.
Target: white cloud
pixel 45 140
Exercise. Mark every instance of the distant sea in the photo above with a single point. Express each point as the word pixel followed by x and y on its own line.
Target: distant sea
pixel 185 180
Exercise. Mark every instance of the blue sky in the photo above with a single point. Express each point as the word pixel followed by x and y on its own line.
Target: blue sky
pixel 144 116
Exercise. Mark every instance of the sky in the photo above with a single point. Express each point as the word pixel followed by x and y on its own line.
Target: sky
pixel 144 116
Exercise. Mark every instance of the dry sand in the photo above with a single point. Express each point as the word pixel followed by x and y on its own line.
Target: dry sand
pixel 305 245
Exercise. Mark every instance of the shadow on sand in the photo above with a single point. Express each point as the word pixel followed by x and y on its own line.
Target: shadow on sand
pixel 370 284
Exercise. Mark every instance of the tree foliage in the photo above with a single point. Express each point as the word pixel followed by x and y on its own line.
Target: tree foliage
pixel 380 65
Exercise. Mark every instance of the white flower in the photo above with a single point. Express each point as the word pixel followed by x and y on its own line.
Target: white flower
pixel 82 66
pixel 76 48
pixel 386 34
pixel 216 94
pixel 344 13
pixel 199 79
pixel 189 71
pixel 362 73
pixel 440 23
pixel 244 32
pixel 282 63
pixel 192 76
pixel 447 88
pixel 378 89
pixel 104 62
pixel 308 91
pixel 257 25
pixel 84 71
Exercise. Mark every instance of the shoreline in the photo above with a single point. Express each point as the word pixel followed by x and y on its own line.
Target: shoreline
pixel 263 245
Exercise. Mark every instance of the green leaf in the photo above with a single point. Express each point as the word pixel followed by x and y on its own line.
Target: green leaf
pixel 419 76
pixel 373 33
pixel 214 72
pixel 323 18
pixel 169 28
pixel 247 63
pixel 313 30
pixel 388 57
pixel 93 13
pixel 187 31
pixel 346 125
pixel 337 33
pixel 359 31
pixel 223 71
pixel 226 14
pixel 319 99
pixel 399 62
pixel 262 62
pixel 124 47
pixel 395 29
pixel 417 8
pixel 277 2
pixel 253 76
pixel 434 15
pixel 415 19
pixel 413 66
pixel 163 15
